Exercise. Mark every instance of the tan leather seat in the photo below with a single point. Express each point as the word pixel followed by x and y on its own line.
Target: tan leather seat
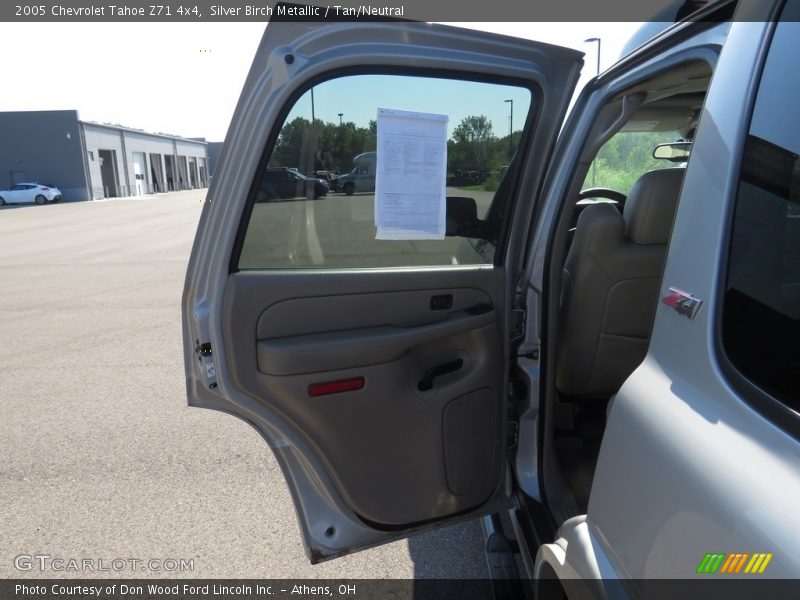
pixel 611 285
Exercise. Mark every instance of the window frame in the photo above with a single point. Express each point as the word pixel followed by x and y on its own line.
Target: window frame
pixel 512 177
pixel 759 399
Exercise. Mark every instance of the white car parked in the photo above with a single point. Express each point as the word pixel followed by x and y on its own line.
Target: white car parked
pixel 30 192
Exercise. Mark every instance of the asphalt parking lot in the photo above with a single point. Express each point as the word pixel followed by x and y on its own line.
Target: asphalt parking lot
pixel 102 459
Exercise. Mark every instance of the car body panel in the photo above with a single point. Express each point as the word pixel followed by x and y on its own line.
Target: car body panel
pixel 703 45
pixel 365 467
pixel 282 183
pixel 719 460
pixel 687 466
pixel 362 177
pixel 578 561
pixel 23 193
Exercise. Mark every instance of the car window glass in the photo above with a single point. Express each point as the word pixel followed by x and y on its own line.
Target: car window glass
pixel 627 156
pixel 329 221
pixel 761 310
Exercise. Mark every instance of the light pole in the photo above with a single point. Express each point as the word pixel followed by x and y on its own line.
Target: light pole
pixel 594 162
pixel 340 160
pixel 313 133
pixel 510 129
pixel 595 39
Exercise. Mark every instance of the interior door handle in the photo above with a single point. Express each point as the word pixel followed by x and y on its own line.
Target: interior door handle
pixel 426 383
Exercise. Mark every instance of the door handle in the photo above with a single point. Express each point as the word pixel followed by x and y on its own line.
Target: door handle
pixel 426 383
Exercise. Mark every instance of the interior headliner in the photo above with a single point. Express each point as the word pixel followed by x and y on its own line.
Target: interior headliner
pixel 673 100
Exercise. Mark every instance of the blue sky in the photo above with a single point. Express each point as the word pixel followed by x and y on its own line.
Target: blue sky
pixel 359 97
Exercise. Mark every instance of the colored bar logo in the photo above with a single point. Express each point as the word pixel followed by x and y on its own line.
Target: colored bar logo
pixel 735 563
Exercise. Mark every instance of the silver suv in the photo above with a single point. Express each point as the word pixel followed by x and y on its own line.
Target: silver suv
pixel 610 355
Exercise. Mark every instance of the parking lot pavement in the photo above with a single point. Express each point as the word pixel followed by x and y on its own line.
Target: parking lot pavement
pixel 102 459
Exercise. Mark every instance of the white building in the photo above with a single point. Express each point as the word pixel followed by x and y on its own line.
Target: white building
pixel 89 160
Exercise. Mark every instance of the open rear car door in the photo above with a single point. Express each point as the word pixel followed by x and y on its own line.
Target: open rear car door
pixel 375 369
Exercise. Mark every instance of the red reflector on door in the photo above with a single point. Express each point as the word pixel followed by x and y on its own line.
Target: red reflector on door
pixel 335 387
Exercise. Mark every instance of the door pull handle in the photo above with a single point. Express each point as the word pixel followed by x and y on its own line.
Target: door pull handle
pixel 426 383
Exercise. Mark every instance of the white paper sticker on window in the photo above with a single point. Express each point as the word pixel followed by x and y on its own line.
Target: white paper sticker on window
pixel 410 200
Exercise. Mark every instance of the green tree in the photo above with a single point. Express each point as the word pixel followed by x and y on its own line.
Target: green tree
pixel 626 156
pixel 294 146
pixel 327 146
pixel 471 145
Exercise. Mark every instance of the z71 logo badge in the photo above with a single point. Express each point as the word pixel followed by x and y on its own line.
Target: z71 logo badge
pixel 683 302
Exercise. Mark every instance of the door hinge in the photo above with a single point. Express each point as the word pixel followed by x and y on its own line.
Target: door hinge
pixel 517 323
pixel 532 354
pixel 512 433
